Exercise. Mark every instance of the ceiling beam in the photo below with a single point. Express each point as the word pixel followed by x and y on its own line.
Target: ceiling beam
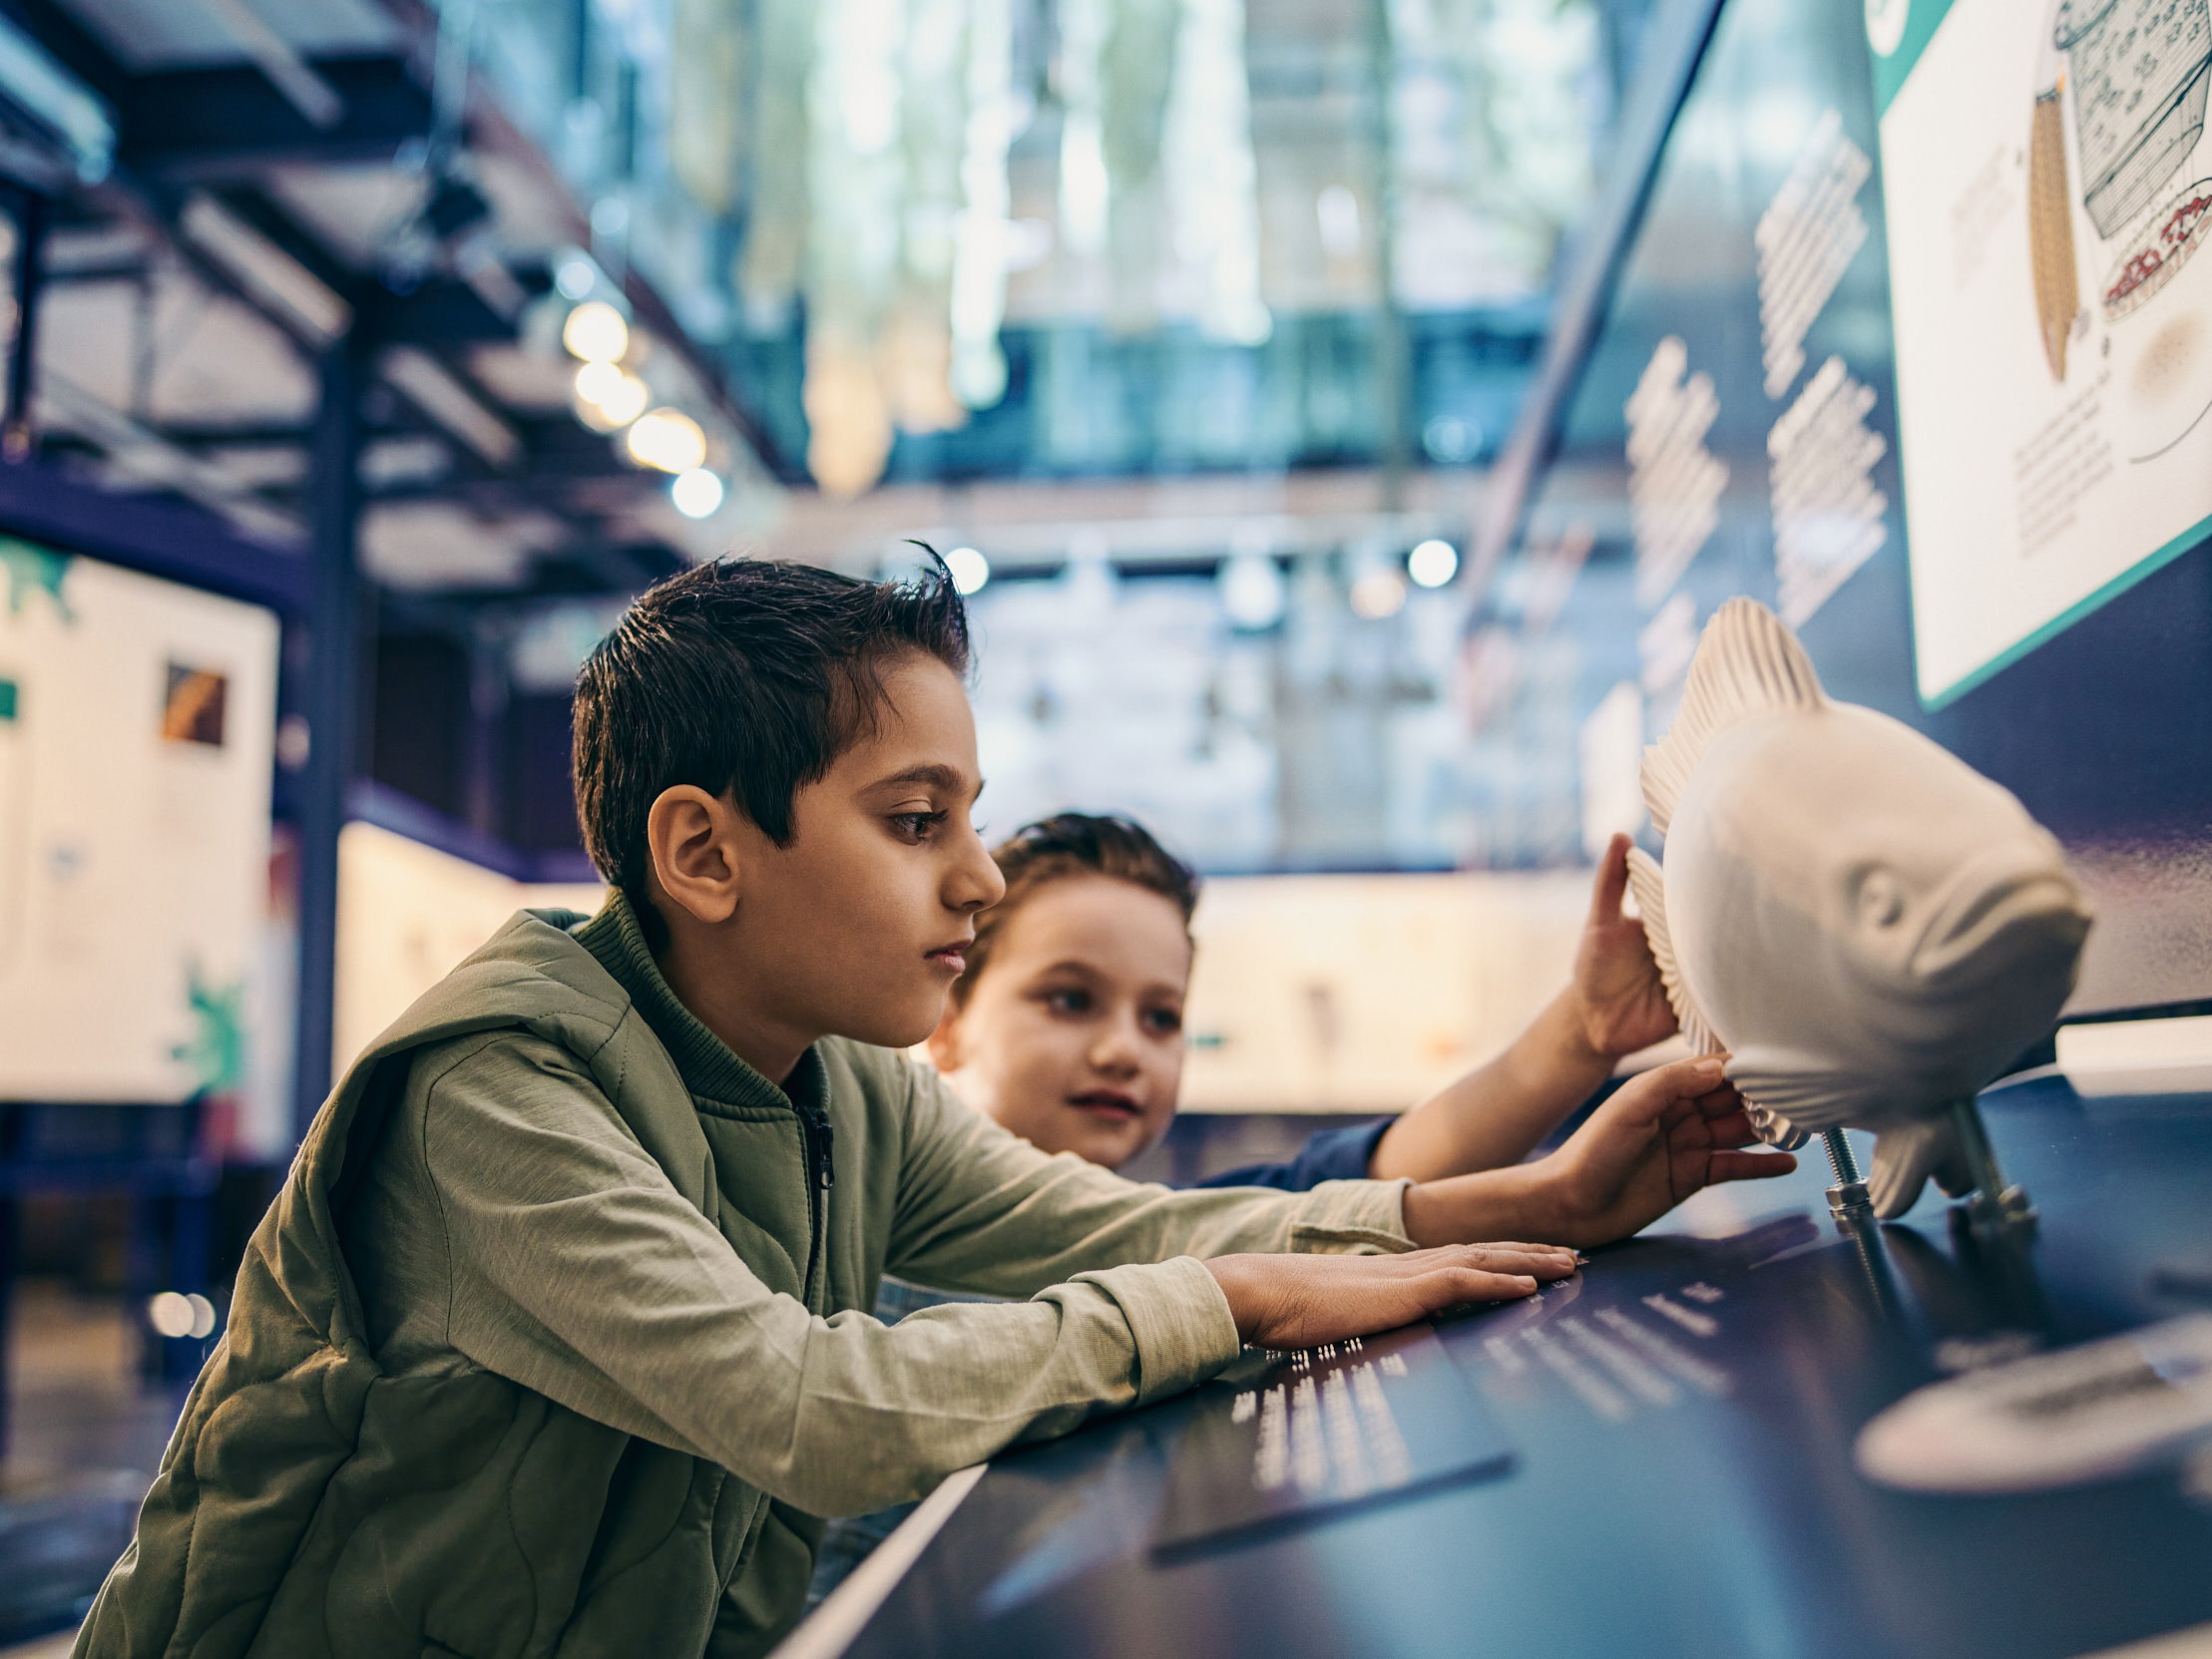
pixel 440 313
pixel 203 124
pixel 304 90
pixel 170 539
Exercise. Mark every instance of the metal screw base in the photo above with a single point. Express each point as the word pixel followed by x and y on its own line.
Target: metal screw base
pixel 2010 1211
pixel 1993 1206
pixel 1847 1199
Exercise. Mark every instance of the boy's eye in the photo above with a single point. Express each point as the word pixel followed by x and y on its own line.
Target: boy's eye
pixel 1067 1002
pixel 1164 1022
pixel 915 826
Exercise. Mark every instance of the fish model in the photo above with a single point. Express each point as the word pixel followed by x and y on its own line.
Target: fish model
pixel 1868 926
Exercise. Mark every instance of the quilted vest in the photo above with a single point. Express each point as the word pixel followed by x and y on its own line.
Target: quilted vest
pixel 313 1503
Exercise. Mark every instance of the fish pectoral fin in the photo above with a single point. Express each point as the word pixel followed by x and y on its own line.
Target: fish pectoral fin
pixel 1905 1155
pixel 1954 1174
pixel 1648 883
pixel 1773 1128
pixel 1783 1095
pixel 1749 664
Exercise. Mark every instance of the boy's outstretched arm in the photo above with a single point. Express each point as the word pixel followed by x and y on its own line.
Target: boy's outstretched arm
pixel 1613 1006
pixel 1666 1135
pixel 513 1220
pixel 1297 1301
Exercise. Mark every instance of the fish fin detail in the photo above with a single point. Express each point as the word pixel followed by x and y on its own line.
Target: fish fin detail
pixel 1793 1101
pixel 1792 1084
pixel 1774 1129
pixel 1905 1155
pixel 1749 664
pixel 1648 883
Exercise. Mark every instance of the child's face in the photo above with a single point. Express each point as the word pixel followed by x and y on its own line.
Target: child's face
pixel 858 928
pixel 1072 1036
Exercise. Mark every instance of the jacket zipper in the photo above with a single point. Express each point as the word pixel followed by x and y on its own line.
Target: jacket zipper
pixel 820 1136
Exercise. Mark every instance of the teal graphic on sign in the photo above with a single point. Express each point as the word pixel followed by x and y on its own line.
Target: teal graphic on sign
pixel 33 570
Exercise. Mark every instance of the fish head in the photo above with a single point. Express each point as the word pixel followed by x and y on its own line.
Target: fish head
pixel 1878 927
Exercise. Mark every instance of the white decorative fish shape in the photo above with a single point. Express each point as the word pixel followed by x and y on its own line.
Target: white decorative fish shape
pixel 1870 927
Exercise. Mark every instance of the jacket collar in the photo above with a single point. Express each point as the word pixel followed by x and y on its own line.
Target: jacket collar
pixel 710 1069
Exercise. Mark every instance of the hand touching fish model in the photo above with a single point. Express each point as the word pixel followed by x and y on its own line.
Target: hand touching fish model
pixel 1870 927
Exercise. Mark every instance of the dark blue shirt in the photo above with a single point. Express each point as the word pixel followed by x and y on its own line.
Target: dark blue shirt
pixel 1328 1156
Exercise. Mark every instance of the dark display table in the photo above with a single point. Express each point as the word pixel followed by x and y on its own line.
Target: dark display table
pixel 1681 1420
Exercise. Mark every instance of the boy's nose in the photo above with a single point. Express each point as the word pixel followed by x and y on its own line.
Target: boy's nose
pixel 975 882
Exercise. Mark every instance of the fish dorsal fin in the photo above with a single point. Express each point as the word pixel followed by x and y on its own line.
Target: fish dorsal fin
pixel 1749 664
pixel 1650 885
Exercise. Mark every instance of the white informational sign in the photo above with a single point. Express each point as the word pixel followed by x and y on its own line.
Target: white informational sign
pixel 2048 191
pixel 136 725
pixel 408 915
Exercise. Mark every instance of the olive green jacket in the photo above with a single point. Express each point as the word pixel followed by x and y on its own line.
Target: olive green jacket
pixel 553 1342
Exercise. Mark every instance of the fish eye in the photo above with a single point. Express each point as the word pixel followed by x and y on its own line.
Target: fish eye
pixel 1881 898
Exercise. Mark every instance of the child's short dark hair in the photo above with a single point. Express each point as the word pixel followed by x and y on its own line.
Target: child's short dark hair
pixel 1075 844
pixel 741 676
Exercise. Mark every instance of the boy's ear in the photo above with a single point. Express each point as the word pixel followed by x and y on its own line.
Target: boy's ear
pixel 945 1049
pixel 693 841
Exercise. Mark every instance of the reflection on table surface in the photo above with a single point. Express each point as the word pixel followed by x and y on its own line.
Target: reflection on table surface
pixel 1682 1416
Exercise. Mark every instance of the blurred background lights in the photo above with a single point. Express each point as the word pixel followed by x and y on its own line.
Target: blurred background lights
pixel 597 382
pixel 1433 563
pixel 1337 212
pixel 610 401
pixel 1378 593
pixel 1253 591
pixel 169 1315
pixel 575 278
pixel 697 494
pixel 1451 441
pixel 969 569
pixel 595 332
pixel 172 1315
pixel 668 439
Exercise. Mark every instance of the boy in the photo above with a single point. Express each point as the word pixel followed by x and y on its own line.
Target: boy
pixel 549 1344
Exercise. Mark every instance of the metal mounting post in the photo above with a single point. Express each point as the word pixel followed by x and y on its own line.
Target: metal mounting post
pixel 1992 1206
pixel 1848 1197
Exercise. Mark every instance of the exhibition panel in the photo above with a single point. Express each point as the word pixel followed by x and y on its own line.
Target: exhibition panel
pixel 1731 425
pixel 137 718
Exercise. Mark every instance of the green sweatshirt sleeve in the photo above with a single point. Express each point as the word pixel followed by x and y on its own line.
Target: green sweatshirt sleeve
pixel 982 1210
pixel 522 1227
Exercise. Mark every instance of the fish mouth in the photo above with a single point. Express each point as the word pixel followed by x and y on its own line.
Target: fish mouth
pixel 2007 907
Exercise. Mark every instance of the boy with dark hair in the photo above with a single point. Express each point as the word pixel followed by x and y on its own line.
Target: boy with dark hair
pixel 552 1344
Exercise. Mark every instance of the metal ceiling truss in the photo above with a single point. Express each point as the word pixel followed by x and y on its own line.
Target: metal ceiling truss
pixel 376 333
pixel 194 152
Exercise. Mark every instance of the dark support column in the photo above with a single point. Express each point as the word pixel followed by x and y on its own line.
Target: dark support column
pixel 329 701
pixel 483 789
pixel 30 246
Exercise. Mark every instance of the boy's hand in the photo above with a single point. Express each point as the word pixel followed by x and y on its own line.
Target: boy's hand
pixel 1298 1301
pixel 1662 1136
pixel 1621 1002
